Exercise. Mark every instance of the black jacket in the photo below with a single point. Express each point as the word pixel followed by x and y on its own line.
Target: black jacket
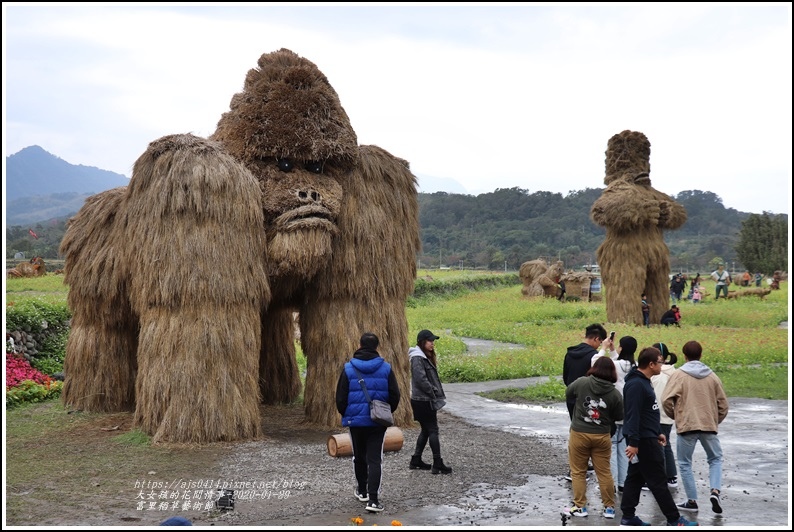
pixel 641 412
pixel 577 362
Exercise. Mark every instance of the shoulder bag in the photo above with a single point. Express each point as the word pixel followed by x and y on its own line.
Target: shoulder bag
pixel 379 411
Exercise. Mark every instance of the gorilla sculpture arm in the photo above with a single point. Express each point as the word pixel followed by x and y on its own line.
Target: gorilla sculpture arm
pixel 164 306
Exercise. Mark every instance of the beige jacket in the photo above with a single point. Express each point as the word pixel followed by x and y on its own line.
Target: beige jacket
pixel 695 399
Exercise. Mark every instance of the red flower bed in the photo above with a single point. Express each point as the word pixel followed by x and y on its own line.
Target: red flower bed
pixel 18 369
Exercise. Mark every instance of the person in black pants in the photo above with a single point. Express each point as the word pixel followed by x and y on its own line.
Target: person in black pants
pixel 427 398
pixel 645 443
pixel 671 317
pixel 366 435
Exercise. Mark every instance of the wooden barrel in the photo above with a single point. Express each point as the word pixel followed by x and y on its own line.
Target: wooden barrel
pixel 340 444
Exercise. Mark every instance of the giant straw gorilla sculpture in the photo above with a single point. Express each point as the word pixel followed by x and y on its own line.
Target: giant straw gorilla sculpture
pixel 184 283
pixel 633 257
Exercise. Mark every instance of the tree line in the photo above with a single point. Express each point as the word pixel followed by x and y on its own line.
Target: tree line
pixel 505 228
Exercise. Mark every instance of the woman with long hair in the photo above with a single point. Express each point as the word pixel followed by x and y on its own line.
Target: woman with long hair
pixel 427 398
pixel 623 358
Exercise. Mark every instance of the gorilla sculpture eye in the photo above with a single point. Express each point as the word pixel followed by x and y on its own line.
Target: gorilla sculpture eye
pixel 314 166
pixel 285 165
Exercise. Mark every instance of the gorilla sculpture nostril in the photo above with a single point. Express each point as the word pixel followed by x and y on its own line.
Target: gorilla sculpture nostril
pixel 311 195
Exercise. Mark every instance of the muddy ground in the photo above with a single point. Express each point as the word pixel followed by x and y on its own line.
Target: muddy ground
pixel 78 469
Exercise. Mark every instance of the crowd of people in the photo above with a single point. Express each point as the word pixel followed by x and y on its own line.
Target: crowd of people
pixel 622 411
pixel 639 404
pixel 678 284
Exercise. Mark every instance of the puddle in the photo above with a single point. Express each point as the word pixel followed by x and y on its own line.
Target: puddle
pixel 476 346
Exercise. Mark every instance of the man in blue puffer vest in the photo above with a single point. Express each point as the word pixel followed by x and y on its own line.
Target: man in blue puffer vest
pixel 366 435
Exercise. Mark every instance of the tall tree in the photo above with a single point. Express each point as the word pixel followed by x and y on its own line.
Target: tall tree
pixel 763 243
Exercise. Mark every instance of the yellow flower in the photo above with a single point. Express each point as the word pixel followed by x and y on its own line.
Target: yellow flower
pixel 357 520
pixel 396 523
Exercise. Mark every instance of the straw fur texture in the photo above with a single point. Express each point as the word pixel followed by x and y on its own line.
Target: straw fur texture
pixel 540 279
pixel 310 222
pixel 35 267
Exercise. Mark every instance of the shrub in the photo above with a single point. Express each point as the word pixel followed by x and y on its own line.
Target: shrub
pixel 32 315
pixel 52 352
pixel 31 392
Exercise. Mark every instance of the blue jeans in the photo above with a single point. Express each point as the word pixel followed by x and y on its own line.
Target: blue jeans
pixel 685 447
pixel 618 463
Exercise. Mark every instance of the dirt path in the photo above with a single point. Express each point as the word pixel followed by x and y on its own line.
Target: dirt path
pixel 70 469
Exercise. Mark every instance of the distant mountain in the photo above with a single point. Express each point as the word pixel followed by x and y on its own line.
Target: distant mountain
pixel 429 184
pixel 36 172
pixel 40 185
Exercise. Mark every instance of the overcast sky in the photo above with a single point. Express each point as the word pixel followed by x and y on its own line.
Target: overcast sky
pixel 490 96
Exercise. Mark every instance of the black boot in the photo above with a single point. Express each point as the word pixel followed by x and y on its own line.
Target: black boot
pixel 439 467
pixel 417 463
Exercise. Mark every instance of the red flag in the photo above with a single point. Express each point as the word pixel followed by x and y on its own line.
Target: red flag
pixel 34 235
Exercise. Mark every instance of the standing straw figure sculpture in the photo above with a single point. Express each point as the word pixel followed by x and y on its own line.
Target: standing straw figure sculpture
pixel 633 257
pixel 309 221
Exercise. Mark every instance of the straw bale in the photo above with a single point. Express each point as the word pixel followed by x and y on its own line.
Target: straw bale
pixel 633 257
pixel 192 210
pixel 154 304
pixel 577 284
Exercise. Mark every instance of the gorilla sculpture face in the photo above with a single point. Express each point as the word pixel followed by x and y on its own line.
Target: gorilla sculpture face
pixel 301 205
pixel 289 128
pixel 628 159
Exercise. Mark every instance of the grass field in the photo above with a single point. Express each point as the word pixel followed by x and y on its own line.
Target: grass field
pixel 742 338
